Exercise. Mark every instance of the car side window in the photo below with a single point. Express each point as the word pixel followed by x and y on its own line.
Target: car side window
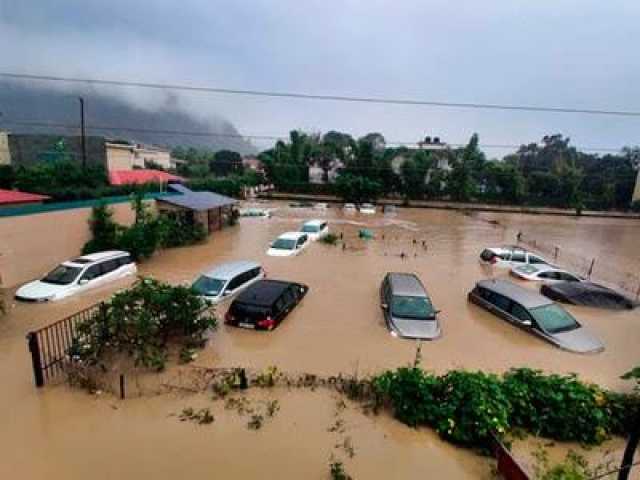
pixel 518 257
pixel 109 266
pixel 534 259
pixel 92 272
pixel 279 306
pixel 520 312
pixel 505 256
pixel 125 260
pixel 500 301
pixel 235 282
pixel 568 277
pixel 289 297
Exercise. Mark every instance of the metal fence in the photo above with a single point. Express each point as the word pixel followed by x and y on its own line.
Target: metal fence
pixel 50 345
pixel 592 268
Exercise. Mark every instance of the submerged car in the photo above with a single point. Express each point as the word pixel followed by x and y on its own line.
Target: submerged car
pixel 534 313
pixel 265 304
pixel 321 206
pixel 78 275
pixel 255 212
pixel 368 208
pixel 288 244
pixel 315 229
pixel 227 279
pixel 544 273
pixel 349 207
pixel 510 256
pixel 407 308
pixel 588 294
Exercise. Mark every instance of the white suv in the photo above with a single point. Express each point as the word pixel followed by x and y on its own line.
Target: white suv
pixel 315 229
pixel 288 244
pixel 510 256
pixel 78 275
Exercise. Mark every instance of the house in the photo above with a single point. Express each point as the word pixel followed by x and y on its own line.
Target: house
pixel 5 153
pixel 440 152
pixel 127 156
pixel 317 174
pixel 252 163
pixel 212 210
pixel 142 176
pixel 15 198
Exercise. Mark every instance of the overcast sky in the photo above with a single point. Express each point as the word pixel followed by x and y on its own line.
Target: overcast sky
pixel 574 53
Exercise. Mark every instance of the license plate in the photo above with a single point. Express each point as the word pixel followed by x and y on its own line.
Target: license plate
pixel 246 325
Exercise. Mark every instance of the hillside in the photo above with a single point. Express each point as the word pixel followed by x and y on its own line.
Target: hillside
pixel 20 102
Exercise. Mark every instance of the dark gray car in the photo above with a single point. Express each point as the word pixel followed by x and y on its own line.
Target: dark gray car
pixel 407 308
pixel 534 313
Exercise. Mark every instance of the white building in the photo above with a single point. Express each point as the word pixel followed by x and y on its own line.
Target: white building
pixel 126 156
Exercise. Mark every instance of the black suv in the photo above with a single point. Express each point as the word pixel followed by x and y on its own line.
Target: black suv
pixel 263 305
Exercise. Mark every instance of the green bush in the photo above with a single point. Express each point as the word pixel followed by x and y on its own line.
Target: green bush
pixel 635 206
pixel 103 230
pixel 472 405
pixel 142 321
pixel 177 231
pixel 557 406
pixel 412 394
pixel 330 239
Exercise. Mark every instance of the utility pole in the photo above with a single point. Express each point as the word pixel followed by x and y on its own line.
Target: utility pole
pixel 84 138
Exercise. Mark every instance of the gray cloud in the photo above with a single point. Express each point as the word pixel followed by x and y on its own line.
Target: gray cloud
pixel 578 53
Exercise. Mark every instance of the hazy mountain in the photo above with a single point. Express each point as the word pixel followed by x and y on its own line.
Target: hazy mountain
pixel 24 103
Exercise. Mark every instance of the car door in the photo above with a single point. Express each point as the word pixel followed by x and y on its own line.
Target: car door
pixel 109 270
pixel 301 243
pixel 518 258
pixel 520 316
pixel 90 277
pixel 501 306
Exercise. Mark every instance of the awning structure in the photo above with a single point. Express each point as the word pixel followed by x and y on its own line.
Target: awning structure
pixel 141 176
pixel 11 197
pixel 198 201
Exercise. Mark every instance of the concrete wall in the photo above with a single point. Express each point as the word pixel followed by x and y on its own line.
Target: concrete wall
pixel 119 157
pixel 31 245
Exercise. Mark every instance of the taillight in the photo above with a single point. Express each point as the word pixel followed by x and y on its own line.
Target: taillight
pixel 267 323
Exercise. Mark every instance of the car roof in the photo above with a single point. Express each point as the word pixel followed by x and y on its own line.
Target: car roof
pixel 578 288
pixel 228 270
pixel 291 235
pixel 263 292
pixel 315 222
pixel 406 284
pixel 541 268
pixel 525 297
pixel 96 257
pixel 508 248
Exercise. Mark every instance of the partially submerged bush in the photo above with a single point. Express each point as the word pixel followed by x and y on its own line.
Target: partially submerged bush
pixel 329 239
pixel 557 406
pixel 142 321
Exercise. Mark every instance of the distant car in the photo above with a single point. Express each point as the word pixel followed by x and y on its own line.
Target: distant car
pixel 265 304
pixel 227 279
pixel 588 294
pixel 510 256
pixel 349 207
pixel 535 314
pixel 315 229
pixel 289 244
pixel 389 209
pixel 301 205
pixel 321 206
pixel 255 212
pixel 407 308
pixel 78 275
pixel 544 273
pixel 368 208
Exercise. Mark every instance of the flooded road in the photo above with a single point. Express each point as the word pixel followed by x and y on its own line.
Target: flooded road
pixel 59 433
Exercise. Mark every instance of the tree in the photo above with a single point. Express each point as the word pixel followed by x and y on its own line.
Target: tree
pixel 358 189
pixel 634 436
pixel 413 173
pixel 226 162
pixel 467 164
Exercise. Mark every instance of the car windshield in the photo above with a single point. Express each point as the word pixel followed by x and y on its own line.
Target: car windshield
pixel 284 244
pixel 310 228
pixel 208 286
pixel 62 275
pixel 418 308
pixel 554 319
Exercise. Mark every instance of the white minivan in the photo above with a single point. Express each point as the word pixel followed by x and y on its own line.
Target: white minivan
pixel 77 275
pixel 288 244
pixel 315 229
pixel 227 279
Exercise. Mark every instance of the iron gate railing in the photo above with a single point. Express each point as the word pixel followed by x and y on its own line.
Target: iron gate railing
pixel 49 346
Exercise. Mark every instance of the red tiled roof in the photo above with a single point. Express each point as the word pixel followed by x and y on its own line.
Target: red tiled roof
pixel 124 177
pixel 7 197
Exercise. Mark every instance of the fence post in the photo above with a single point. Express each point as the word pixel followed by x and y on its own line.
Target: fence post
pixel 122 388
pixel 36 361
pixel 555 255
pixel 591 267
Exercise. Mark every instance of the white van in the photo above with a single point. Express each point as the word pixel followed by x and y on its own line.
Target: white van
pixel 227 279
pixel 78 275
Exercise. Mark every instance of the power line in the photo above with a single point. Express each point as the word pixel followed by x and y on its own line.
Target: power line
pixel 333 98
pixel 30 123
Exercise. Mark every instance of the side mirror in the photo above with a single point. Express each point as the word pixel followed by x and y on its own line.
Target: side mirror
pixel 527 323
pixel 384 306
pixel 83 281
pixel 436 312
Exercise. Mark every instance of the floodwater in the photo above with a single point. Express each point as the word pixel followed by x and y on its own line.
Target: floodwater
pixel 66 434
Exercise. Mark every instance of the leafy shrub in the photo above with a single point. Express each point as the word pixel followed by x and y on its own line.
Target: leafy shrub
pixel 142 320
pixel 103 230
pixel 177 231
pixel 635 206
pixel 472 405
pixel 330 239
pixel 557 406
pixel 412 393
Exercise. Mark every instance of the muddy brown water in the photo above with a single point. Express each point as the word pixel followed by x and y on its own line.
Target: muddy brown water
pixel 61 433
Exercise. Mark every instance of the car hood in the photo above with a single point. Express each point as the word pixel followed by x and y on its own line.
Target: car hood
pixel 579 340
pixel 39 290
pixel 424 329
pixel 280 252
